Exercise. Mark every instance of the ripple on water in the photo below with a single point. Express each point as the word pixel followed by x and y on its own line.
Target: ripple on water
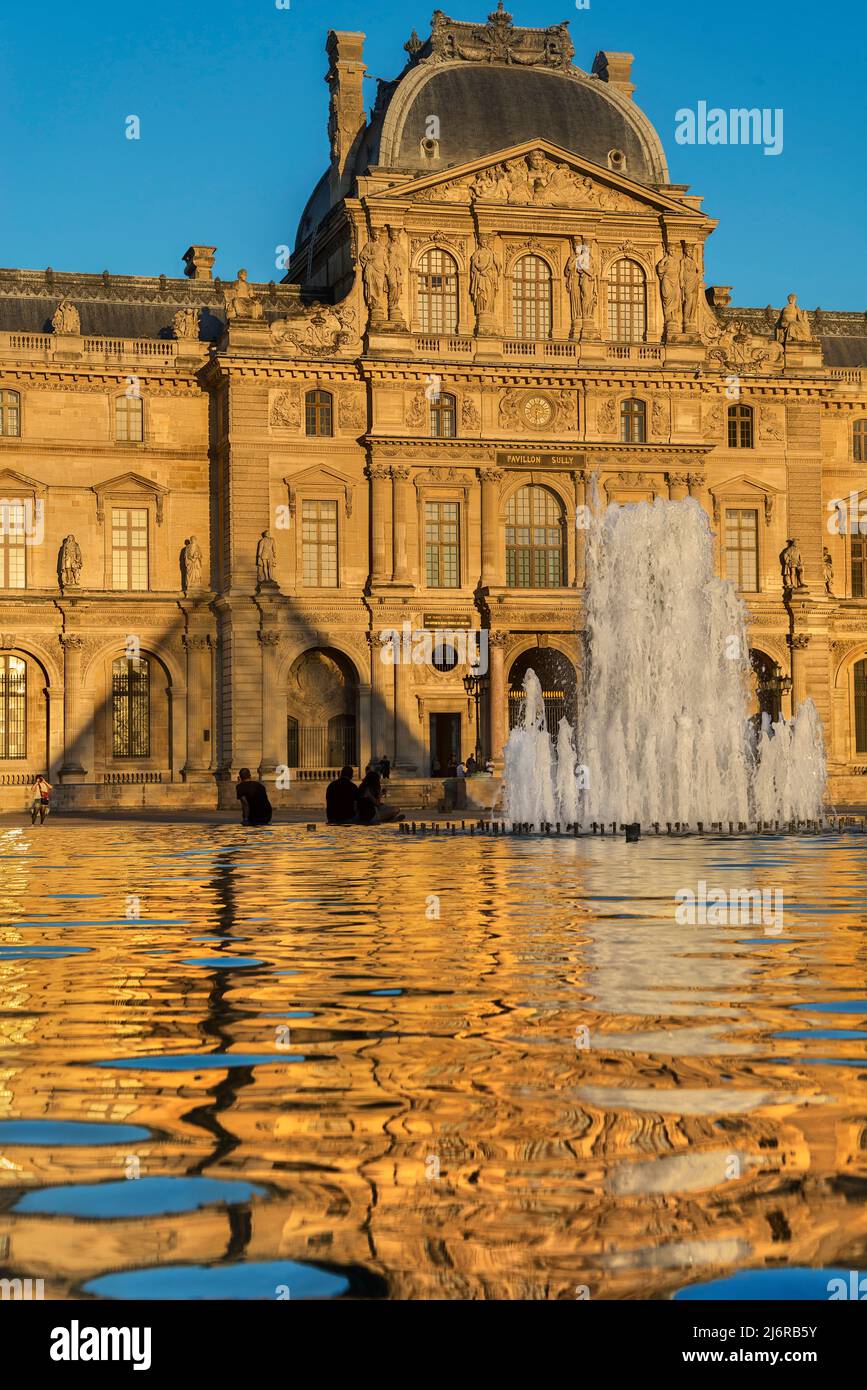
pixel 796 1284
pixel 202 1061
pixel 273 1279
pixel 36 1133
pixel 105 1201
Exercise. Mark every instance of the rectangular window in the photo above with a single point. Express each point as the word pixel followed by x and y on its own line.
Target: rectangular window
pixel 442 545
pixel 128 416
pixel 129 548
pixel 319 544
pixel 859 566
pixel 13 546
pixel 742 549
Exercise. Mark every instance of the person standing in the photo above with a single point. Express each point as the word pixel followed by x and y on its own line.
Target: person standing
pixel 385 768
pixel 461 770
pixel 341 799
pixel 472 765
pixel 255 806
pixel 40 800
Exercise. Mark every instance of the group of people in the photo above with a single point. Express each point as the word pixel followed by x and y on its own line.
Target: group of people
pixel 348 804
pixel 458 768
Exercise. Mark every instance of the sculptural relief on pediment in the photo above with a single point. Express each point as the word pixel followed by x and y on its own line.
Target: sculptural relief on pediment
pixel 320 330
pixel 737 349
pixel 533 180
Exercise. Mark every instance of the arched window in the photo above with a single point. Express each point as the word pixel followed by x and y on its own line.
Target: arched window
pixel 740 418
pixel 627 302
pixel 10 412
pixel 535 537
pixel 531 298
pixel 633 421
pixel 859 441
pixel 860 692
pixel 443 416
pixel 128 420
pixel 437 290
pixel 13 707
pixel 131 707
pixel 319 413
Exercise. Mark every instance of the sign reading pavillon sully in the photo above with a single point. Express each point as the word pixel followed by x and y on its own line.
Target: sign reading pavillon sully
pixel 550 284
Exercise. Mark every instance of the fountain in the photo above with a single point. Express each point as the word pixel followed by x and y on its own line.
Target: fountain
pixel 663 733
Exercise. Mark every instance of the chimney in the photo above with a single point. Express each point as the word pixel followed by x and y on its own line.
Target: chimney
pixel 347 118
pixel 199 262
pixel 614 68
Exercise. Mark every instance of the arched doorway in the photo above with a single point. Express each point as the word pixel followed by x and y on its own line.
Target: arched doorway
pixel 322 711
pixel 557 678
pixel 24 718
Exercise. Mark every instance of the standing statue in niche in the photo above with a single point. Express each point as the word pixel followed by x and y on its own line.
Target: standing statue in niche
pixel 793 573
pixel 582 284
pixel 70 563
pixel 690 284
pixel 484 278
pixel 191 564
pixel 827 570
pixel 394 276
pixel 671 292
pixel 374 274
pixel 266 558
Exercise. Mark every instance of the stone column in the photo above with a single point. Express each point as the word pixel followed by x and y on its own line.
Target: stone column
pixel 273 712
pixel 380 521
pixel 580 530
pixel 677 486
pixel 490 480
pixel 72 769
pixel 381 700
pixel 697 485
pixel 798 647
pixel 497 721
pixel 54 758
pixel 198 755
pixel 400 572
pixel 364 729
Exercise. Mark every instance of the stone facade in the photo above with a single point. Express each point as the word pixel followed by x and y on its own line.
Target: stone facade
pixel 263 481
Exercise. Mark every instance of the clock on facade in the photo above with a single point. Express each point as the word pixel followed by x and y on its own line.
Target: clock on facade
pixel 538 411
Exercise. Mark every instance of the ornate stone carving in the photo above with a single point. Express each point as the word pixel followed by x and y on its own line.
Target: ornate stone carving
pixel 498 41
pixel 266 558
pixel 770 426
pixel 769 508
pixel 70 563
pixel 485 272
pixel 378 471
pixel 269 639
pixel 470 417
pixel 400 472
pixel 521 410
pixel 350 411
pixel 668 274
pixel 582 283
pixel 690 285
pixel 490 475
pixel 185 323
pixel 241 303
pixel 191 564
pixel 394 277
pixel 606 415
pixel 737 348
pixel 661 415
pixel 374 262
pixel 66 318
pixel 286 411
pixel 196 642
pixel 416 410
pixel 532 180
pixel 714 418
pixel 319 331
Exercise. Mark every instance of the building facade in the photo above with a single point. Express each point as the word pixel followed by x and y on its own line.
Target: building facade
pixel 221 500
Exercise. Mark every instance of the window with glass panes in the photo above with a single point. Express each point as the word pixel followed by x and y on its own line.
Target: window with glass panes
pixel 319 413
pixel 10 412
pixel 531 298
pixel 319 544
pixel 859 441
pixel 437 288
pixel 13 545
pixel 443 416
pixel 860 692
pixel 742 548
pixel 858 553
pixel 13 707
pixel 740 421
pixel 128 419
pixel 442 545
pixel 627 302
pixel 633 417
pixel 129 548
pixel 534 540
pixel 131 708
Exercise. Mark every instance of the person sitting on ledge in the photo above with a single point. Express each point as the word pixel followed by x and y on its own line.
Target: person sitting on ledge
pixel 255 806
pixel 371 807
pixel 341 799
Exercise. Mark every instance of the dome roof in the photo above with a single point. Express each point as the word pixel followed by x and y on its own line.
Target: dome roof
pixel 485 108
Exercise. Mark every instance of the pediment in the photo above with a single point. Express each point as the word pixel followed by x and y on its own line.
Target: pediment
pixel 12 483
pixel 744 483
pixel 534 174
pixel 320 475
pixel 128 484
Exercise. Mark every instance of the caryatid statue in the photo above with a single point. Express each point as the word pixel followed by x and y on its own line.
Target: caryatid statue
pixel 241 303
pixel 671 292
pixel 70 563
pixel 191 563
pixel 394 275
pixel 793 325
pixel 266 558
pixel 790 560
pixel 582 284
pixel 484 278
pixel 690 284
pixel 374 262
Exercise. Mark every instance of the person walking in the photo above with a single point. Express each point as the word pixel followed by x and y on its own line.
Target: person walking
pixel 255 806
pixel 341 799
pixel 40 799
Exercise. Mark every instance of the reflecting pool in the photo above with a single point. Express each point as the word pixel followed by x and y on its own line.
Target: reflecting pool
pixel 353 1063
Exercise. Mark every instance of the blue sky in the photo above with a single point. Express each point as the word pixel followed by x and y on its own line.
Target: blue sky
pixel 233 110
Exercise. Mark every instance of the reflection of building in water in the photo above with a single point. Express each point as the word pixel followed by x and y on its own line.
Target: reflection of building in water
pixel 220 494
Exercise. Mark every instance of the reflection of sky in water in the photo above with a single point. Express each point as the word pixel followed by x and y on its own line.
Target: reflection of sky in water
pixel 370 1095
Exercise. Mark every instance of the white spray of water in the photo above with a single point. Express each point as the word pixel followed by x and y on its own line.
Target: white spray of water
pixel 663 729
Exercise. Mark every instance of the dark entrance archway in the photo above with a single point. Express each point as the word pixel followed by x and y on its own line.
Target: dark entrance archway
pixel 559 683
